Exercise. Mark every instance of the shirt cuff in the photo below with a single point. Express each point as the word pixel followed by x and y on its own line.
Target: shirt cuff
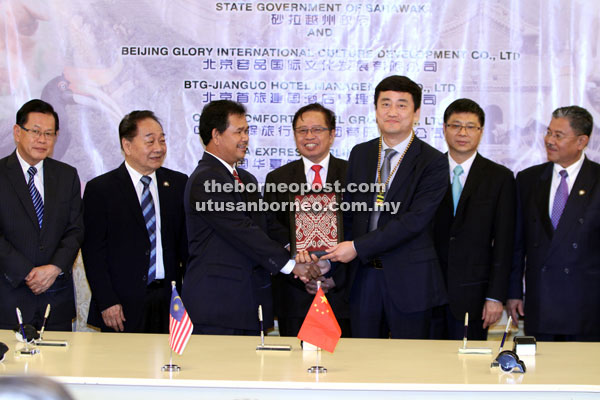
pixel 287 268
pixel 494 300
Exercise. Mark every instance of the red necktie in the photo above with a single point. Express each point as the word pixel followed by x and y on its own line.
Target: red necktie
pixel 317 182
pixel 237 178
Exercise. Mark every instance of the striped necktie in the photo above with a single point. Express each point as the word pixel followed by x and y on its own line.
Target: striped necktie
pixel 38 203
pixel 150 220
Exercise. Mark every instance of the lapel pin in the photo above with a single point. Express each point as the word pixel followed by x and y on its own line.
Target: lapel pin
pixel 581 192
pixel 166 184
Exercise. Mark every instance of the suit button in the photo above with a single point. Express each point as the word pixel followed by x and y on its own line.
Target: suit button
pixel 581 220
pixel 42 248
pixel 544 268
pixel 536 245
pixel 147 252
pixel 452 238
pixel 144 278
pixel 574 245
pixel 567 271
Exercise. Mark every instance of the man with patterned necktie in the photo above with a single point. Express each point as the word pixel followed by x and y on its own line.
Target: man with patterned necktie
pixel 474 229
pixel 41 228
pixel 395 280
pixel 135 241
pixel 234 248
pixel 557 245
pixel 314 132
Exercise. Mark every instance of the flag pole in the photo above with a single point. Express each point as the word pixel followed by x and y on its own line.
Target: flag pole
pixel 316 369
pixel 170 367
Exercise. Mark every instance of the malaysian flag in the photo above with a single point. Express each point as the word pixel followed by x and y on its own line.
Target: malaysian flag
pixel 180 325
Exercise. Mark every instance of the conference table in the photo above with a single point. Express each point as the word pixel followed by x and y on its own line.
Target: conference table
pixel 128 366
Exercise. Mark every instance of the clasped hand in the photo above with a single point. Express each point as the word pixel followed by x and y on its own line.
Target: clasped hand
pixel 309 267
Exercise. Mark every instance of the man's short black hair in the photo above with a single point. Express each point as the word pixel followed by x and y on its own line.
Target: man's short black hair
pixel 36 105
pixel 579 118
pixel 465 106
pixel 128 125
pixel 215 115
pixel 399 83
pixel 329 115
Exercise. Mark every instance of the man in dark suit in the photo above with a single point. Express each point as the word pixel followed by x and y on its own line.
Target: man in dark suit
pixel 234 248
pixel 41 227
pixel 135 240
pixel 474 228
pixel 557 245
pixel 314 132
pixel 395 275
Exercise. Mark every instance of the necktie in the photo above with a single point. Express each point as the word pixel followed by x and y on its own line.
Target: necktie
pixel 150 219
pixel 384 173
pixel 237 178
pixel 560 199
pixel 38 203
pixel 317 182
pixel 456 186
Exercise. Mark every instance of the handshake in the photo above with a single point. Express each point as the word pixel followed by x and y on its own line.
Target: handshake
pixel 309 267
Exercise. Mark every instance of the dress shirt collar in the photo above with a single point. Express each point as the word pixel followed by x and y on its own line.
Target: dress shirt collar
pixel 572 169
pixel 309 164
pixel 229 167
pixel 466 165
pixel 25 166
pixel 136 176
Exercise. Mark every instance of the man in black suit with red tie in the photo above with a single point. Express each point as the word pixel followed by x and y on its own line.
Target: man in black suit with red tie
pixel 474 228
pixel 135 241
pixel 41 228
pixel 314 132
pixel 234 248
pixel 394 275
pixel 557 247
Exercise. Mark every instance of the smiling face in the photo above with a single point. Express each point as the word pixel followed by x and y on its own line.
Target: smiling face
pixel 147 150
pixel 231 144
pixel 563 145
pixel 463 133
pixel 32 148
pixel 313 137
pixel 396 115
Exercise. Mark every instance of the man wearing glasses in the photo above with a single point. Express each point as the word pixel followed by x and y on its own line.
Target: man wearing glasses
pixel 474 229
pixel 41 227
pixel 314 132
pixel 557 246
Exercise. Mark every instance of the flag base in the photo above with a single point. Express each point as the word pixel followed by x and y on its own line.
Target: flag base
pixel 317 369
pixel 170 368
pixel 474 350
pixel 27 352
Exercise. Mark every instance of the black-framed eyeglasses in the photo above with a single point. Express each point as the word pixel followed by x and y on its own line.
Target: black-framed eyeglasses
pixel 456 128
pixel 315 130
pixel 38 134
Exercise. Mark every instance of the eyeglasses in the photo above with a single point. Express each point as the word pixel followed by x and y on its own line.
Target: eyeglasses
pixel 38 134
pixel 558 136
pixel 315 130
pixel 456 128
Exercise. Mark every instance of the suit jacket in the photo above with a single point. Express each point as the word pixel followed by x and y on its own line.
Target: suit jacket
pixel 116 248
pixel 475 246
pixel 23 245
pixel 232 251
pixel 291 298
pixel 562 267
pixel 402 242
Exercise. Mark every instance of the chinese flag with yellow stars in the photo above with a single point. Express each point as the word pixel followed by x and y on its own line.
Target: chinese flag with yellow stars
pixel 320 328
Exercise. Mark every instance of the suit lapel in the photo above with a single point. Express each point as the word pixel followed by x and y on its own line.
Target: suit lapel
pixel 15 174
pixel 298 175
pixel 50 193
pixel 333 170
pixel 576 204
pixel 405 168
pixel 474 179
pixel 542 193
pixel 165 199
pixel 125 186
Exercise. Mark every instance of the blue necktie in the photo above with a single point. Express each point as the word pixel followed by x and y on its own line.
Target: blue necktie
pixel 560 199
pixel 456 186
pixel 150 219
pixel 38 203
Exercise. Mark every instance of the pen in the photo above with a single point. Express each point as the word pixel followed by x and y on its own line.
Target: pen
pixel 262 330
pixel 466 329
pixel 505 333
pixel 45 319
pixel 20 319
